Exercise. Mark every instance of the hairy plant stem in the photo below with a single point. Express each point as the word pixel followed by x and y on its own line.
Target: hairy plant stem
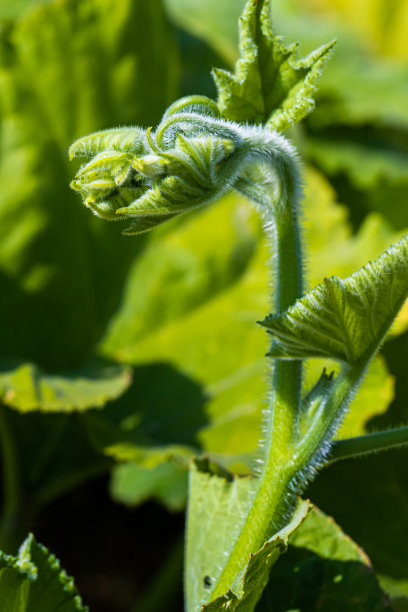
pixel 270 503
pixel 368 444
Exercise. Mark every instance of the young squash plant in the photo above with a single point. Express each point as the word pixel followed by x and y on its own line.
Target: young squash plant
pixel 238 526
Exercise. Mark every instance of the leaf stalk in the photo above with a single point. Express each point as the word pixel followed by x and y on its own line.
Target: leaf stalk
pixel 374 442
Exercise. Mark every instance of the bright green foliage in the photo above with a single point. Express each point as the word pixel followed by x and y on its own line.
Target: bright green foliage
pixel 361 117
pixel 11 10
pixel 344 319
pixel 191 282
pixel 365 163
pixel 34 582
pixel 269 85
pixel 217 509
pixel 324 568
pixel 26 388
pixel 60 272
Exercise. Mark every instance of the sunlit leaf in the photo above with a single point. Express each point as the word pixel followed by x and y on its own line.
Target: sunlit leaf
pixel 26 388
pixel 344 319
pixel 269 85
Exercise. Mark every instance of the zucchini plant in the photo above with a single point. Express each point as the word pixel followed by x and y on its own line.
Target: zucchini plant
pixel 238 526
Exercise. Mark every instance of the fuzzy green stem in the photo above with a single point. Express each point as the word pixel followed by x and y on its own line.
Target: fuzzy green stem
pixel 269 507
pixel 369 443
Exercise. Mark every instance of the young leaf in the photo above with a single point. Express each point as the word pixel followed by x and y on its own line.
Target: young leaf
pixel 324 568
pixel 269 85
pixel 26 388
pixel 344 319
pixel 34 582
pixel 375 395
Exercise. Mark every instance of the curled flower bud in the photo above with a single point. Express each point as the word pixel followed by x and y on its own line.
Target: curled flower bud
pixel 151 177
pixel 192 158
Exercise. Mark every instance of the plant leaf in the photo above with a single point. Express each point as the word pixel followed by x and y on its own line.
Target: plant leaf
pixel 26 388
pixel 324 568
pixel 215 499
pixel 247 590
pixel 363 495
pixel 155 421
pixel 62 271
pixel 344 319
pixel 269 85
pixel 34 582
pixel 133 484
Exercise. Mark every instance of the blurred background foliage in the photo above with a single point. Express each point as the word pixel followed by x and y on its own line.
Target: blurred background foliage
pixel 80 304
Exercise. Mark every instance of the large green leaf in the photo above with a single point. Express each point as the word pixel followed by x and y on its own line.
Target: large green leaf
pixel 323 570
pixel 368 498
pixel 26 388
pixel 34 582
pixel 269 85
pixel 61 271
pixel 356 88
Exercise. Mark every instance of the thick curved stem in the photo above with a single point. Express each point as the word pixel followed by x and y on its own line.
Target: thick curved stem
pixel 273 497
